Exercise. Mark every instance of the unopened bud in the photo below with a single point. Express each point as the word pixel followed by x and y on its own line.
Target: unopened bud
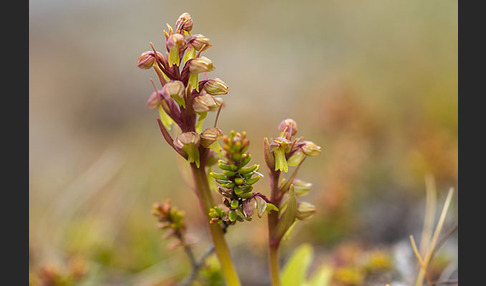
pixel 210 135
pixel 200 65
pixel 205 103
pixel 305 210
pixel 215 86
pixel 154 101
pixel 184 22
pixel 199 42
pixel 310 149
pixel 176 90
pixel 301 188
pixel 147 60
pixel 288 125
pixel 174 42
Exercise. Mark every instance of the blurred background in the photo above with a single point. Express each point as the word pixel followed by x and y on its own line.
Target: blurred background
pixel 374 83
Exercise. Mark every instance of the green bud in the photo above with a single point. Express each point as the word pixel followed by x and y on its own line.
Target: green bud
pixel 296 158
pixel 247 170
pixel 239 181
pixel 232 215
pixel 229 185
pixel 305 210
pixel 229 173
pixel 246 195
pixel 215 86
pixel 223 166
pixel 253 180
pixel 238 191
pixel 301 188
pixel 217 176
pixel 245 159
pixel 235 204
pixel 311 149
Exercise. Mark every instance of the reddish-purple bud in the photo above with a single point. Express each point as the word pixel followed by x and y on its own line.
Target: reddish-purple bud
pixel 184 23
pixel 154 100
pixel 205 103
pixel 288 125
pixel 147 60
pixel 199 42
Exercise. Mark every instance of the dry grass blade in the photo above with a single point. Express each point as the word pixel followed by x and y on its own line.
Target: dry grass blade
pixel 433 242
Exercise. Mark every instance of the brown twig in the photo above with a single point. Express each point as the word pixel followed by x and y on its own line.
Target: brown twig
pixel 196 265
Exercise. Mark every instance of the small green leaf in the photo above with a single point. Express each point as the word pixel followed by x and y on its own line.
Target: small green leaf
pixel 296 268
pixel 287 233
pixel 271 207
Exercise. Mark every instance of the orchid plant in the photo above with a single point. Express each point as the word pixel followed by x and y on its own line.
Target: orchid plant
pixel 183 103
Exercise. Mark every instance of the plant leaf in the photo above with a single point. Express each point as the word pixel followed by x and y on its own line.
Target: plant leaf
pixel 297 266
pixel 322 277
pixel 289 215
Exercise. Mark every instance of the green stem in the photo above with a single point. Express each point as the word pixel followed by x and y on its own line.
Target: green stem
pixel 273 246
pixel 217 235
pixel 274 243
